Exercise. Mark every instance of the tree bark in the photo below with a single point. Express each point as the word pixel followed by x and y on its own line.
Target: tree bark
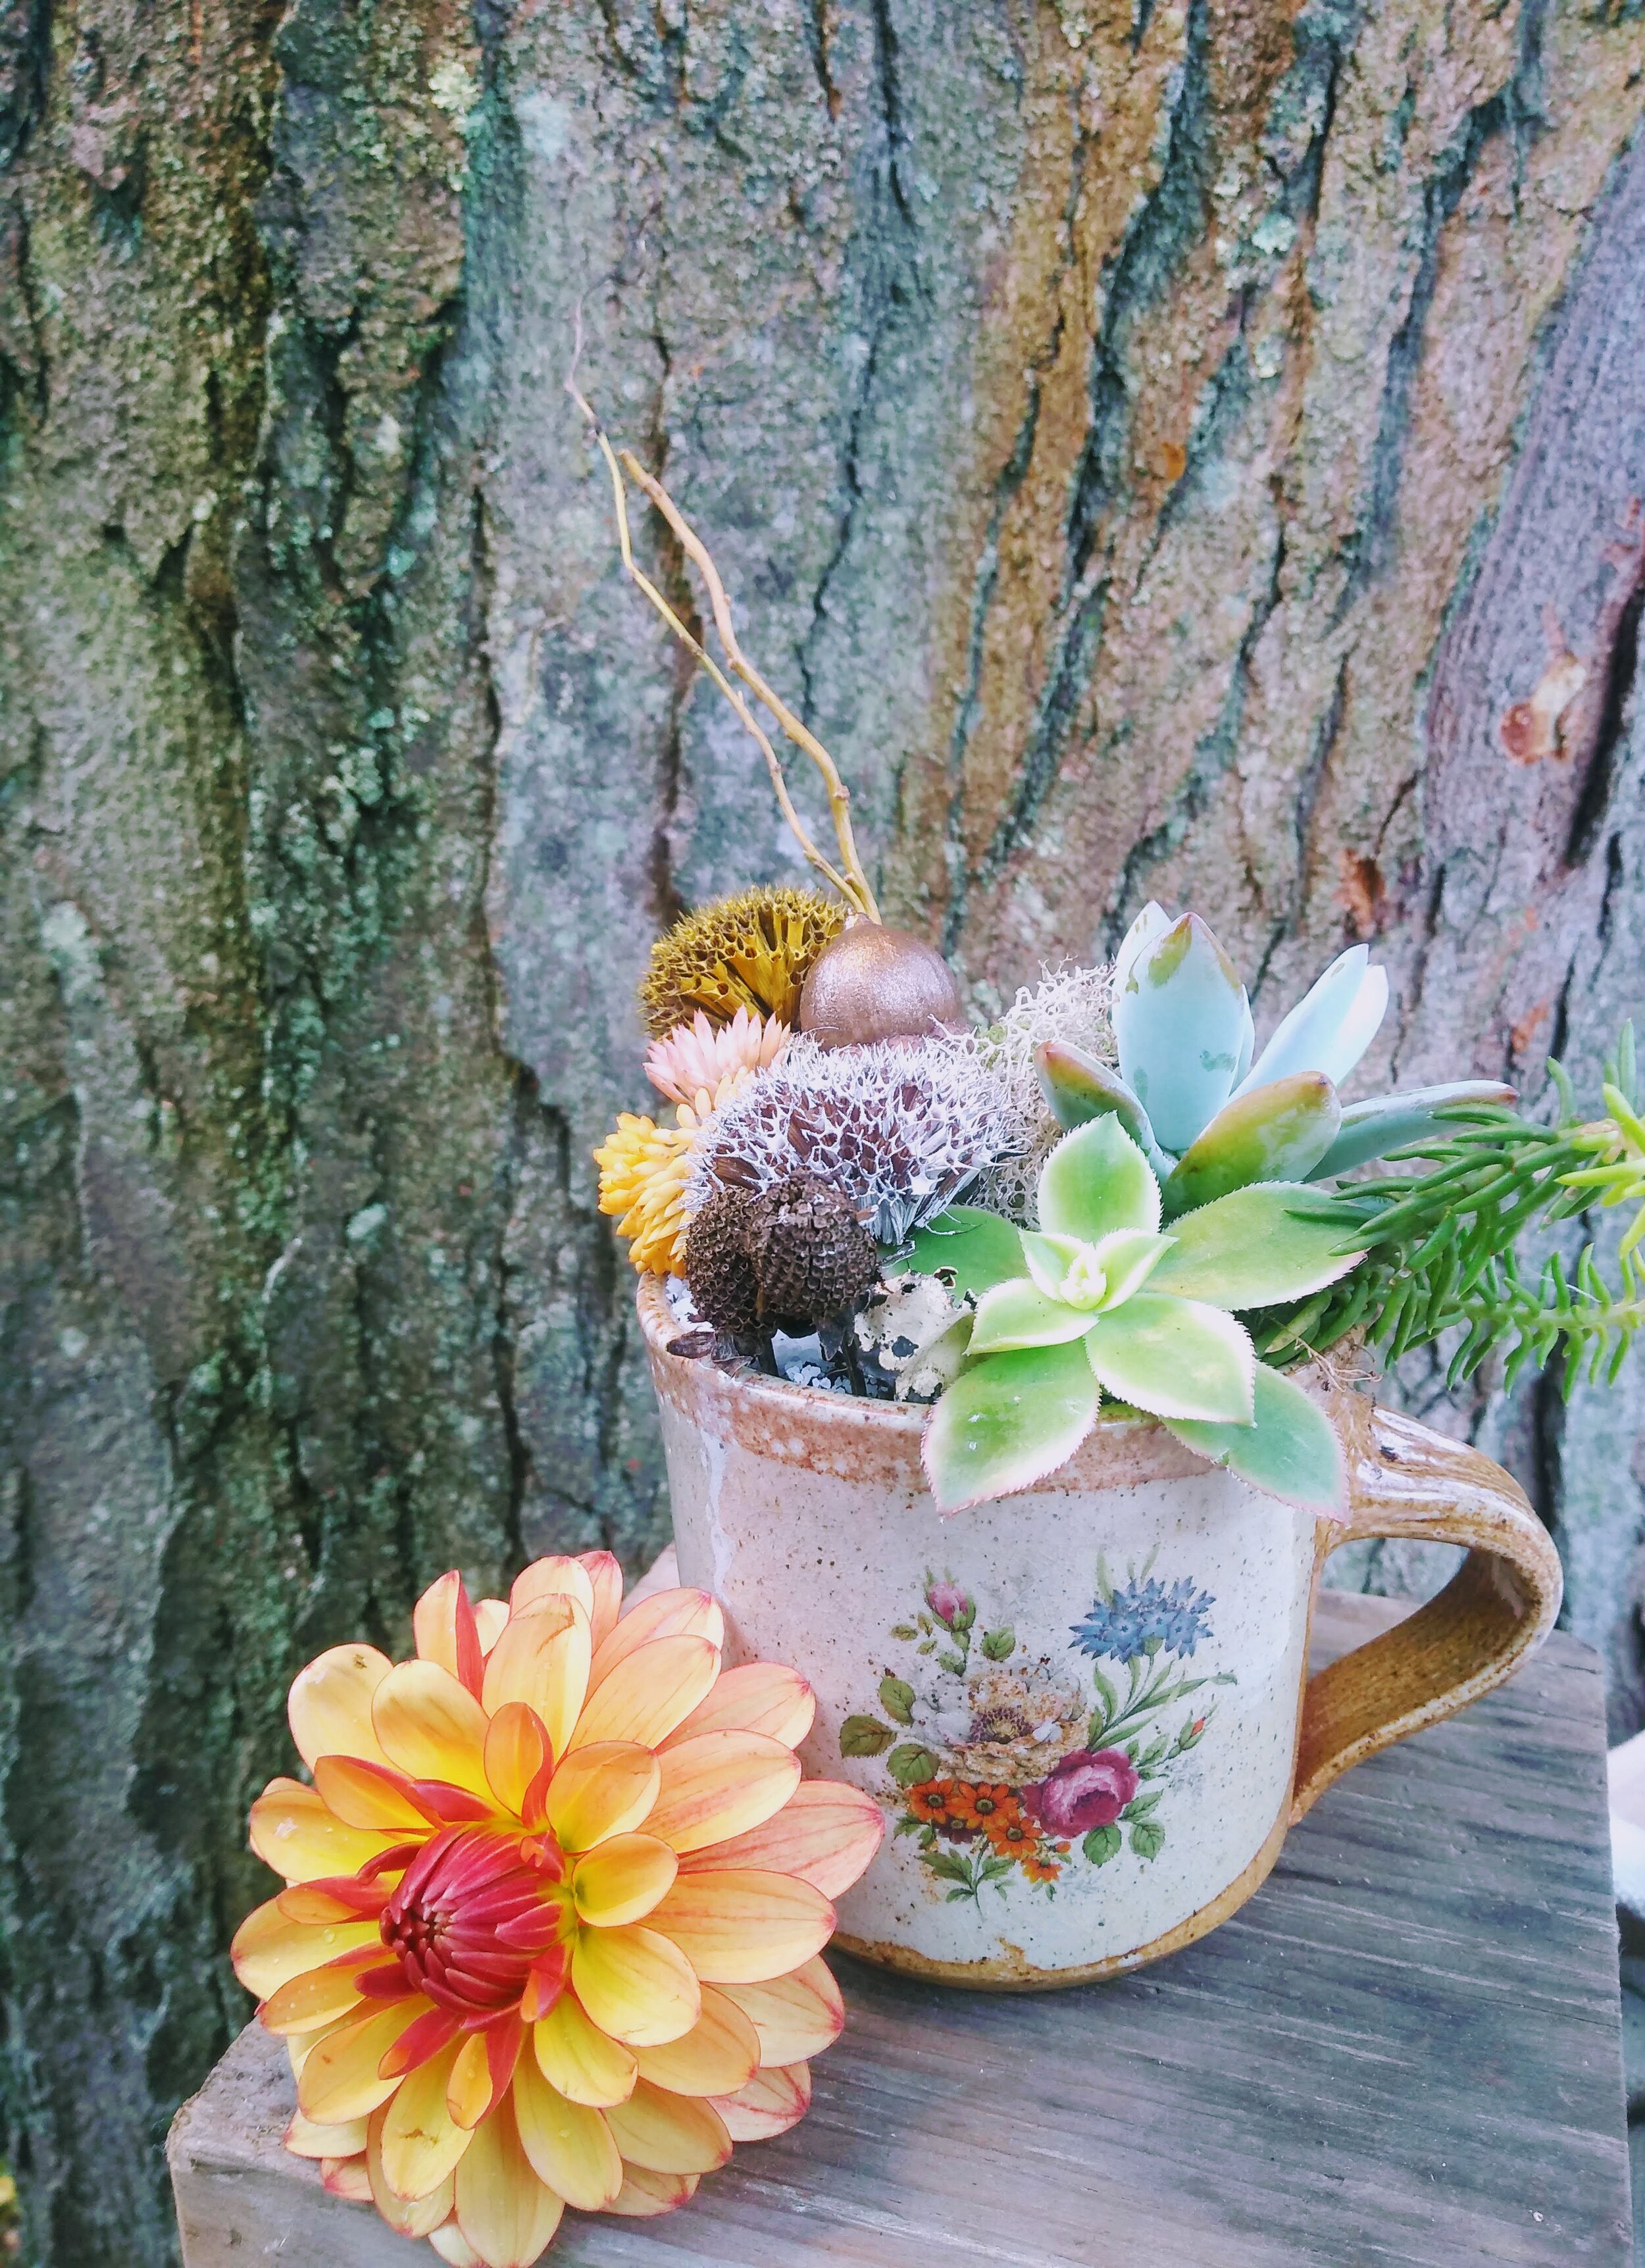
pixel 1187 448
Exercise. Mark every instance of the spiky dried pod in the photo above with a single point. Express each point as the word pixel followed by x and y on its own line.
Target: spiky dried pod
pixel 813 1257
pixel 752 951
pixel 724 1288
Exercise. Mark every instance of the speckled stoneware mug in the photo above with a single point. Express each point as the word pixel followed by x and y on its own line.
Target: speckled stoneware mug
pixel 1085 1709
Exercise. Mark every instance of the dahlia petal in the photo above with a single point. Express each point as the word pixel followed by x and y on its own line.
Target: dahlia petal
pixel 430 1726
pixel 770 2103
pixel 293 1831
pixel 329 1706
pixel 370 1796
pixel 419 2142
pixel 720 1785
pixel 341 2077
pixel 452 1807
pixel 648 1694
pixel 454 2246
pixel 431 2032
pixel 334 1897
pixel 556 1576
pixel 719 2054
pixel 796 2016
pixel 758 1696
pixel 546 1984
pixel 468 2086
pixel 407 2216
pixel 269 1948
pixel 319 1994
pixel 569 2145
pixel 489 1614
pixel 580 2060
pixel 825 1834
pixel 504 2211
pixel 303 2140
pixel 301 2046
pixel 645 2195
pixel 543 1659
pixel 606 1788
pixel 623 1879
pixel 605 1578
pixel 516 1749
pixel 666 1614
pixel 347 2177
pixel 668 2133
pixel 443 1624
pixel 635 1984
pixel 739 1927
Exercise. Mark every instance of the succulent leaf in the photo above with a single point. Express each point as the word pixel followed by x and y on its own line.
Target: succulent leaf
pixel 1007 1422
pixel 1179 1017
pixel 1020 1314
pixel 1289 1451
pixel 1389 1121
pixel 1274 1240
pixel 1128 1257
pixel 980 1248
pixel 1152 921
pixel 1174 1358
pixel 1331 1025
pixel 1096 1181
pixel 1079 1088
pixel 1275 1133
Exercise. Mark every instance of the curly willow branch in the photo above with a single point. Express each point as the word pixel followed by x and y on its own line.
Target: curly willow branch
pixel 851 882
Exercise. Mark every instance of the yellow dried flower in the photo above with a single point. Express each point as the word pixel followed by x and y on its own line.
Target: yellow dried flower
pixel 749 952
pixel 644 1169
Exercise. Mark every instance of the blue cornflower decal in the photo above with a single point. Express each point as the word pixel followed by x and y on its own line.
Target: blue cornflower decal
pixel 1146 1618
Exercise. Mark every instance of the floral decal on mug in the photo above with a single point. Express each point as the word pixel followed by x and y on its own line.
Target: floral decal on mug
pixel 1003 1765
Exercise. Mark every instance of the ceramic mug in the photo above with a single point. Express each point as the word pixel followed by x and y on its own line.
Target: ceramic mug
pixel 1085 1708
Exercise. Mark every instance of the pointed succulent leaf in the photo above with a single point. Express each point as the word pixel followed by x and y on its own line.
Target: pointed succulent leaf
pixel 1019 1315
pixel 1274 1240
pixel 1389 1121
pixel 1078 1088
pixel 1275 1133
pixel 1097 1180
pixel 1049 1260
pixel 1290 1450
pixel 1152 921
pixel 1248 1040
pixel 1179 1021
pixel 1174 1358
pixel 979 1246
pixel 1330 1026
pixel 1009 1421
pixel 1127 1258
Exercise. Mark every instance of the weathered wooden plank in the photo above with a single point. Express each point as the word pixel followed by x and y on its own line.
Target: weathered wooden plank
pixel 1405 2049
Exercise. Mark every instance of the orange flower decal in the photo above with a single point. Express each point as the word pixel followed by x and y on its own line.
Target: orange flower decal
pixel 553 1909
pixel 929 1802
pixel 982 1807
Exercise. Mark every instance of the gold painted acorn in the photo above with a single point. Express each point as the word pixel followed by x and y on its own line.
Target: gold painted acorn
pixel 875 982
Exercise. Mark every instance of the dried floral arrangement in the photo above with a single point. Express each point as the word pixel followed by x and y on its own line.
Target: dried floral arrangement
pixel 1106 1197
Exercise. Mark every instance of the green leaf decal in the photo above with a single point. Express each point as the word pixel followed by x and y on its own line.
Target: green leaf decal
pixel 910 1766
pixel 896 1699
pixel 1101 1844
pixel 865 1736
pixel 1007 1423
pixel 1147 1839
pixel 980 1248
pixel 1274 1240
pixel 1290 1452
pixel 999 1645
pixel 1177 1358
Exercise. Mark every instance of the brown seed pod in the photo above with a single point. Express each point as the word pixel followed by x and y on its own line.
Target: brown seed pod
pixel 724 1288
pixel 812 1257
pixel 872 983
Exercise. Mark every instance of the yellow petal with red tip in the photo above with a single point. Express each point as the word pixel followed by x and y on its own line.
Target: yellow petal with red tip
pixel 759 1697
pixel 668 2133
pixel 505 2212
pixel 437 1626
pixel 719 2054
pixel 347 2177
pixel 600 1791
pixel 796 2015
pixel 516 1749
pixel 740 1928
pixel 269 1949
pixel 303 2140
pixel 292 1831
pixel 301 2046
pixel 421 2142
pixel 432 1726
pixel 419 2216
pixel 644 2195
pixel 543 1659
pixel 489 1614
pixel 329 1706
pixel 340 2078
pixel 622 1879
pixel 719 1784
pixel 770 2103
pixel 569 2145
pixel 605 1578
pixel 635 1984
pixel 362 1794
pixel 468 2089
pixel 319 1994
pixel 580 2061
pixel 666 1614
pixel 559 1576
pixel 646 1696
pixel 826 1835
pixel 454 2246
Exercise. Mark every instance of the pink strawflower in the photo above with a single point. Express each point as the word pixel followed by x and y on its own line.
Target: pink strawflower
pixel 699 1059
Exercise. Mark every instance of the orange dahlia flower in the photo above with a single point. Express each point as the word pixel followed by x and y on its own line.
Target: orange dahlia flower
pixel 553 1909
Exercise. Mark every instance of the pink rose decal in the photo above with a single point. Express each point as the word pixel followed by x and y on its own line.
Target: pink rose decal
pixel 951 1606
pixel 1089 1789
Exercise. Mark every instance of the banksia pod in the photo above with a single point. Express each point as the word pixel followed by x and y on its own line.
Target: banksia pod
pixel 724 1290
pixel 813 1257
pixel 751 951
pixel 552 1912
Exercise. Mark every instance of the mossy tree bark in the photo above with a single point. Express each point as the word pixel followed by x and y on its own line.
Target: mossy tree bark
pixel 1175 447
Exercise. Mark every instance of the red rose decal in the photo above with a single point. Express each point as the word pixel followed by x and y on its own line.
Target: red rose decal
pixel 1089 1789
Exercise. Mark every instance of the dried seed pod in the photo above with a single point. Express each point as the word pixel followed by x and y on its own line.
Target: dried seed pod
pixel 812 1257
pixel 747 952
pixel 874 982
pixel 724 1290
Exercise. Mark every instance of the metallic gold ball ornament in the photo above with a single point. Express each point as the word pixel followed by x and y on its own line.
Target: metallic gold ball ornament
pixel 874 982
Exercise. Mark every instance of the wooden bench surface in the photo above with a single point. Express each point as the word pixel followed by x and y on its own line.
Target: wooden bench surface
pixel 1406 2048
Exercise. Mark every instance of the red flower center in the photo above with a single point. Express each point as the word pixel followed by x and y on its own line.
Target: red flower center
pixel 474 1913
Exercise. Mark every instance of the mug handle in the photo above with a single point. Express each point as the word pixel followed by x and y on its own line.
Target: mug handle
pixel 1405 1480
